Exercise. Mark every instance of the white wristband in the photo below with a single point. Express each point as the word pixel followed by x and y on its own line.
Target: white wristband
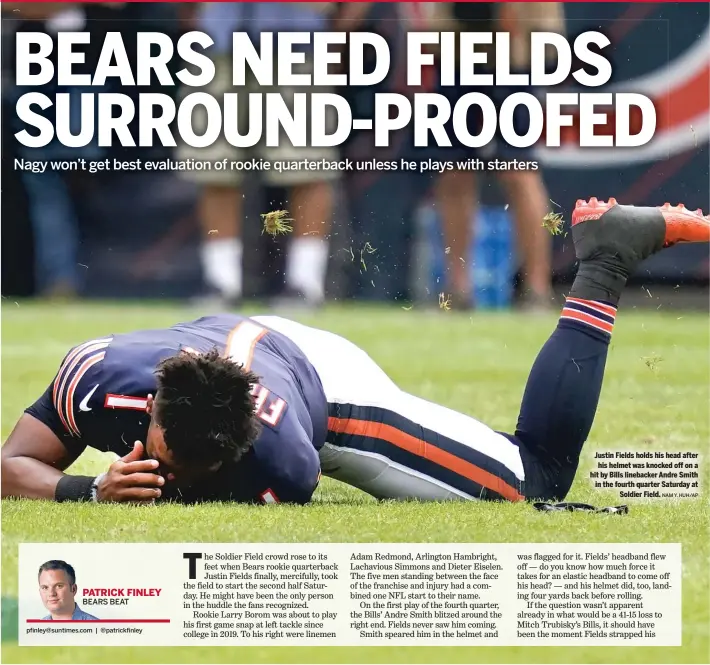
pixel 95 487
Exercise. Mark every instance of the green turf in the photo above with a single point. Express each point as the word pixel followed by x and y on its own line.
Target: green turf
pixel 655 397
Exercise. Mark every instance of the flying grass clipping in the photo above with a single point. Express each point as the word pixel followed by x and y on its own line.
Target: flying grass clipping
pixel 276 222
pixel 595 119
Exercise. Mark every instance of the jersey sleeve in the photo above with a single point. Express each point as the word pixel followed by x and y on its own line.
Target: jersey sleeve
pixel 67 404
pixel 290 463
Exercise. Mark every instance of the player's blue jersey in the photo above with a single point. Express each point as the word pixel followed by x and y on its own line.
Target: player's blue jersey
pixel 98 398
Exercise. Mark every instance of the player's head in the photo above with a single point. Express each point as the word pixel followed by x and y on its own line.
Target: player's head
pixel 57 587
pixel 202 414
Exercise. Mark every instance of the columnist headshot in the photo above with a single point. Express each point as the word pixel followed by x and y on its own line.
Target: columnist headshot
pixel 57 588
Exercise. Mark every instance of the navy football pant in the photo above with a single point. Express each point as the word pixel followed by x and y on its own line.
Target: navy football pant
pixel 395 445
pixel 558 408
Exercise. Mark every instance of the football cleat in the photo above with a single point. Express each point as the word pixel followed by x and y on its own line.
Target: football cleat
pixel 612 240
pixel 677 223
pixel 683 225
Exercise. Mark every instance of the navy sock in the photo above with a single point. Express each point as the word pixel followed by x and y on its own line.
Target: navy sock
pixel 562 392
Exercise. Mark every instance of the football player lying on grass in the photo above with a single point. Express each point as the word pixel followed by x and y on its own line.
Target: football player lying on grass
pixel 255 409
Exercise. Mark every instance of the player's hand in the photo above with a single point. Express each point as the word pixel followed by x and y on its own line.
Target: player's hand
pixel 132 479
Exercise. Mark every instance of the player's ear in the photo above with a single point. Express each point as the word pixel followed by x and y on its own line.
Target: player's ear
pixel 149 405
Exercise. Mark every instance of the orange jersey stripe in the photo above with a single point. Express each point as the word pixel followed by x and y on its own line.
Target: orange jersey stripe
pixel 81 349
pixel 423 449
pixel 587 318
pixel 69 401
pixel 64 374
pixel 67 370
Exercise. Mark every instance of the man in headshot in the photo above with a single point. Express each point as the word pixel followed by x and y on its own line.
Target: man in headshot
pixel 57 587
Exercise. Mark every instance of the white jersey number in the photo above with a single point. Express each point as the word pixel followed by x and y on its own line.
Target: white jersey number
pixel 241 344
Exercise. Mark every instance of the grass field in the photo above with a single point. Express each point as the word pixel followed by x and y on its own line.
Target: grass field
pixel 655 397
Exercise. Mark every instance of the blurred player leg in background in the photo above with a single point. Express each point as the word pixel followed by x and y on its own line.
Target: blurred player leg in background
pixel 220 203
pixel 56 234
pixel 311 206
pixel 310 202
pixel 525 189
pixel 51 205
pixel 456 191
pixel 457 198
pixel 378 255
pixel 457 201
pixel 529 202
pixel 220 215
pixel 310 190
pixel 221 207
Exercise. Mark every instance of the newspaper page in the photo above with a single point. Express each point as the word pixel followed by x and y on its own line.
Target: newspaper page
pixel 355 332
pixel 382 594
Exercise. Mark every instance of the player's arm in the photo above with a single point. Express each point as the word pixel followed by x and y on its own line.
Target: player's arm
pixel 34 458
pixel 55 430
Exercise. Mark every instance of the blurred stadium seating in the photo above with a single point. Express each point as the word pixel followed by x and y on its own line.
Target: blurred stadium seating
pixel 138 232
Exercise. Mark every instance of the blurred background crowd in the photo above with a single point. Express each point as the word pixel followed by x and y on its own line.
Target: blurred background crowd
pixel 477 238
